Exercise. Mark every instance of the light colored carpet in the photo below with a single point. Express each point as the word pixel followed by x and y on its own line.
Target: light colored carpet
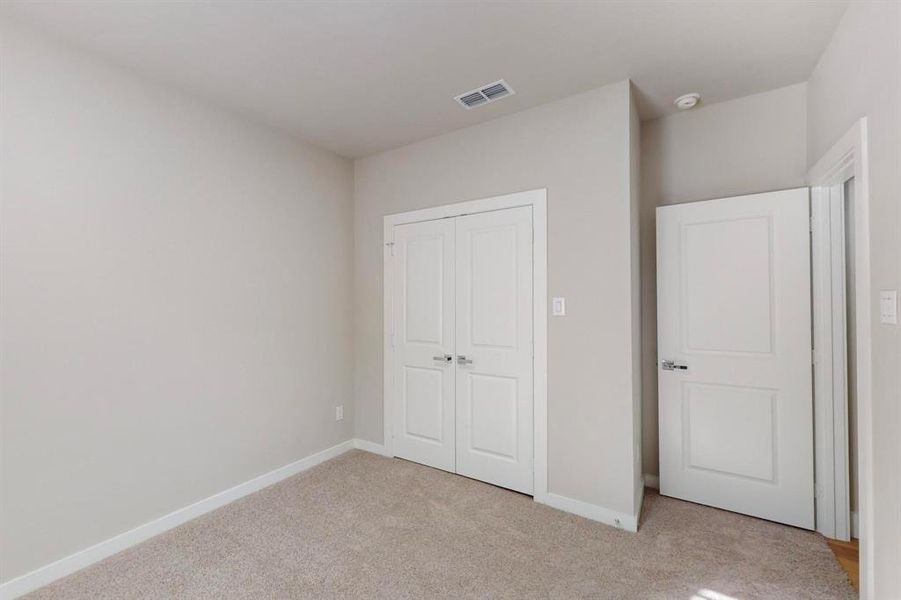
pixel 364 526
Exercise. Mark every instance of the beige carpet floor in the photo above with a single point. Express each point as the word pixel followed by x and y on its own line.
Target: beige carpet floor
pixel 364 526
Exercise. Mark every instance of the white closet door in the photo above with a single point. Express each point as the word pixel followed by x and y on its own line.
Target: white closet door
pixel 424 343
pixel 494 347
pixel 735 398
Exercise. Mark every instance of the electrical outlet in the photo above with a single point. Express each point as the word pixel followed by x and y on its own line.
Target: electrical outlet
pixel 339 413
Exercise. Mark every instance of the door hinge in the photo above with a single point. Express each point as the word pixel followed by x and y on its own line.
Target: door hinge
pixel 810 223
pixel 390 247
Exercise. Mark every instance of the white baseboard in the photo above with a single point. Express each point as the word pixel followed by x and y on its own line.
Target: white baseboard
pixel 590 511
pixel 74 562
pixel 576 507
pixel 639 504
pixel 370 447
pixel 79 560
pixel 651 481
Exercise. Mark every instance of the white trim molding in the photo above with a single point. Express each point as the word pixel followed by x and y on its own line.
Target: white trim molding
pixel 827 214
pixel 75 562
pixel 651 481
pixel 849 156
pixel 617 519
pixel 537 199
pixel 63 567
pixel 372 447
pixel 570 505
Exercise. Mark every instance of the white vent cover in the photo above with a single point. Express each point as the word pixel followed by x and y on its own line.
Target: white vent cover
pixel 485 94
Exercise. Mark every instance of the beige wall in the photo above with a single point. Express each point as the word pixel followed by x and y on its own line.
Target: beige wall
pixel 176 281
pixel 176 301
pixel 577 148
pixel 859 75
pixel 752 144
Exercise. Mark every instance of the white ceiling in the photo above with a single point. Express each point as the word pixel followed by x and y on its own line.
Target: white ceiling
pixel 359 77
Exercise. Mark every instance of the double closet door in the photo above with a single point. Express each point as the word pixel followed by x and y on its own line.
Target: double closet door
pixel 463 383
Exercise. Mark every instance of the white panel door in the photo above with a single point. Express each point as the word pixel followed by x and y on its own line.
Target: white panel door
pixel 424 343
pixel 494 347
pixel 733 309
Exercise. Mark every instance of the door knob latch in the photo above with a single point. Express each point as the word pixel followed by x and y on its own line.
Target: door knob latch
pixel 445 358
pixel 669 365
pixel 462 360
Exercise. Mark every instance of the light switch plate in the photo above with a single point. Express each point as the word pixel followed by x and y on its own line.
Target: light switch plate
pixel 559 307
pixel 888 307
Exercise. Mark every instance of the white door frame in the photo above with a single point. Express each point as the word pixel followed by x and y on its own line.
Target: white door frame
pixel 830 354
pixel 846 158
pixel 537 199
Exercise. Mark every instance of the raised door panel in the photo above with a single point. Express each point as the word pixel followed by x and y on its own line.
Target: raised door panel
pixel 728 279
pixel 493 416
pixel 424 291
pixel 730 430
pixel 493 278
pixel 423 390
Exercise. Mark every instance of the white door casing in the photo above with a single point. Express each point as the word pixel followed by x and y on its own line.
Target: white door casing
pixel 494 347
pixel 736 426
pixel 832 470
pixel 850 156
pixel 424 264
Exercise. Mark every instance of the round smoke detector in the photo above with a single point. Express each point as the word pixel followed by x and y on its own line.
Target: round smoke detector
pixel 688 101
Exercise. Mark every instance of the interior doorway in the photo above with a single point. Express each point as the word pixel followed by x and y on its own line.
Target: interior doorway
pixel 835 366
pixel 840 243
pixel 833 245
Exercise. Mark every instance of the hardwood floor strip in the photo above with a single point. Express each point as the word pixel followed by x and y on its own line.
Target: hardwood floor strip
pixel 848 556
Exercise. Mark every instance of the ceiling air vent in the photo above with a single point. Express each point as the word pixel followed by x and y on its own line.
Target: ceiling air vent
pixel 485 94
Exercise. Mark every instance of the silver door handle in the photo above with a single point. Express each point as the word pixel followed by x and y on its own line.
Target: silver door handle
pixel 462 360
pixel 669 365
pixel 445 358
